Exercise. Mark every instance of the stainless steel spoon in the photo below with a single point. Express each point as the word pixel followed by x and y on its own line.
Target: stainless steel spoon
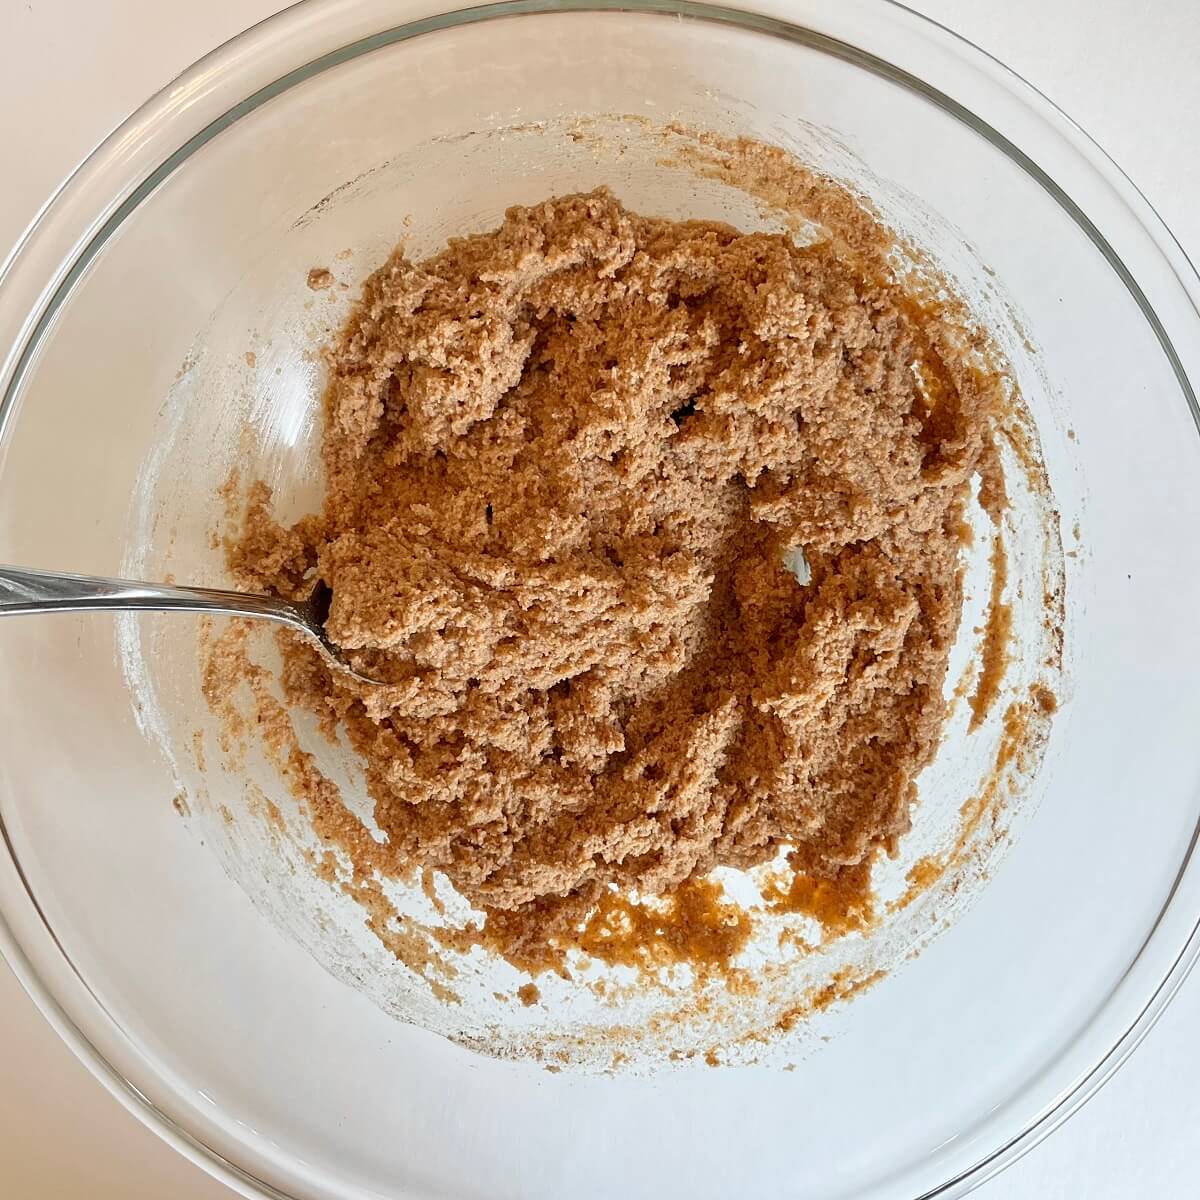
pixel 25 592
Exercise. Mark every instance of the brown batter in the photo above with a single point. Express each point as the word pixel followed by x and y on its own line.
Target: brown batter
pixel 565 462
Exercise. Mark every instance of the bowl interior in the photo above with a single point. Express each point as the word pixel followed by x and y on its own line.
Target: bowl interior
pixel 186 346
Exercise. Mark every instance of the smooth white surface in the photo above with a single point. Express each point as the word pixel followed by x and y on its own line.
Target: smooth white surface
pixel 69 72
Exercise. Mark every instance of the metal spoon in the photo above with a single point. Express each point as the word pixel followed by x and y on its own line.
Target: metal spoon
pixel 26 592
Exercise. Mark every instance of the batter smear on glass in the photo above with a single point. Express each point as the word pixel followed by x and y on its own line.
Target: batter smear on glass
pixel 653 528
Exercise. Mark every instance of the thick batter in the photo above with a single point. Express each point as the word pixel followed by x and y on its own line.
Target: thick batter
pixel 653 527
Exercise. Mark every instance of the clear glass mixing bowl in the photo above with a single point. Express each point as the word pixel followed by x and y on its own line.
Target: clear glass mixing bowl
pixel 174 250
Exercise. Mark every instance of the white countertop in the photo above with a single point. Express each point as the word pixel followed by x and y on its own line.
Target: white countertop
pixel 71 69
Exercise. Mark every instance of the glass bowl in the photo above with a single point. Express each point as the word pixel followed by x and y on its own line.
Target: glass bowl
pixel 157 295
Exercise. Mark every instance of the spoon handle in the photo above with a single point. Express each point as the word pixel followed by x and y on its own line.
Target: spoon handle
pixel 24 591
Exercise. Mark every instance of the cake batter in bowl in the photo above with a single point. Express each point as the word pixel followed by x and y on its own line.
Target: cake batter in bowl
pixel 211 965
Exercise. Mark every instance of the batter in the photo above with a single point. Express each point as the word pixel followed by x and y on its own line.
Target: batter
pixel 653 528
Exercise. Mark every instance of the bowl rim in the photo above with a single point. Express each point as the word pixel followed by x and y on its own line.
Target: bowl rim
pixel 41 272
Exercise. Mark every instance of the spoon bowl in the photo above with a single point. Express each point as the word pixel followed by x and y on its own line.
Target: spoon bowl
pixel 28 592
